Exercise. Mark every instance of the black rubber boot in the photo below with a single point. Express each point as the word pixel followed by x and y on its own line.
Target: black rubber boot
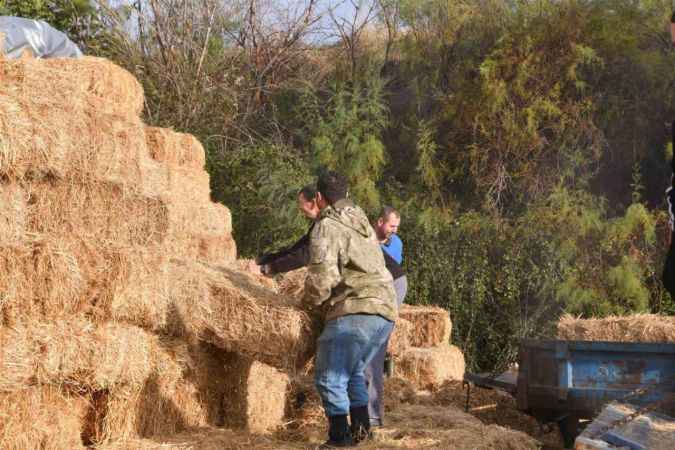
pixel 338 433
pixel 360 424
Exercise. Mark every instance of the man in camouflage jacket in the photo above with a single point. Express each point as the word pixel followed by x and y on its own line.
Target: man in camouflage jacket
pixel 350 286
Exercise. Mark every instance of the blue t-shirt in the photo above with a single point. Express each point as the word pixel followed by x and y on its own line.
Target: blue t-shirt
pixel 394 248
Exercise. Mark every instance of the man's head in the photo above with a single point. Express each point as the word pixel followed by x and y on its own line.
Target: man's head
pixel 307 202
pixel 331 188
pixel 387 224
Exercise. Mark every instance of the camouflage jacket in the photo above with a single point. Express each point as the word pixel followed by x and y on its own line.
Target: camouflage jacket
pixel 347 274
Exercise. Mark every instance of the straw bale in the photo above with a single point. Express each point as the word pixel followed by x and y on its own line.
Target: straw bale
pixel 229 309
pixel 633 328
pixel 188 186
pixel 76 353
pixel 175 148
pixel 303 409
pixel 185 391
pixel 250 267
pixel 106 212
pixel 41 418
pixel 39 138
pixel 255 397
pixel 95 84
pixel 429 367
pixel 13 208
pixel 60 277
pixel 431 325
pixel 399 341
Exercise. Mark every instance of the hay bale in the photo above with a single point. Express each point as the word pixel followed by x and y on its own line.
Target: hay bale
pixel 13 208
pixel 399 341
pixel 633 328
pixel 94 84
pixel 184 391
pixel 431 325
pixel 175 148
pixel 36 141
pixel 429 367
pixel 217 250
pixel 76 353
pixel 41 418
pixel 229 309
pixel 255 397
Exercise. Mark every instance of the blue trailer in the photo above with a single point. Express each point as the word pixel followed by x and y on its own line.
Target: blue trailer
pixel 565 381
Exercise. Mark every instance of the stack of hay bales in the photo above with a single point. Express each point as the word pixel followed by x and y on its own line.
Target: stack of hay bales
pixel 421 347
pixel 633 328
pixel 123 313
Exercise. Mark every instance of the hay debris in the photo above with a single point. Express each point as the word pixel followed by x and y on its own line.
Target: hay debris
pixel 292 284
pixel 633 328
pixel 429 367
pixel 431 325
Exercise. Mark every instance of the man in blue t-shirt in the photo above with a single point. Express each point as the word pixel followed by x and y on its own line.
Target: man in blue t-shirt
pixel 392 248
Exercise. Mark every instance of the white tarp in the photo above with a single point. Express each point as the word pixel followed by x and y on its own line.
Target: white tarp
pixel 38 36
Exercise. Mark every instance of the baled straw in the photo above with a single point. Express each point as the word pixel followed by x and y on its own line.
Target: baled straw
pixel 185 391
pixel 431 325
pixel 40 137
pixel 633 328
pixel 255 397
pixel 13 210
pixel 217 250
pixel 94 84
pixel 76 353
pixel 399 341
pixel 175 148
pixel 41 418
pixel 429 367
pixel 229 309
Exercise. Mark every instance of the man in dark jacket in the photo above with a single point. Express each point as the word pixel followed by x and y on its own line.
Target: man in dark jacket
pixel 669 267
pixel 297 255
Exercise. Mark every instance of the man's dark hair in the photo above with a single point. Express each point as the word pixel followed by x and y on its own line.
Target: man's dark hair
pixel 387 211
pixel 332 186
pixel 308 192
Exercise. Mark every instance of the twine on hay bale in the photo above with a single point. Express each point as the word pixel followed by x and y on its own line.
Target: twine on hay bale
pixel 633 328
pixel 431 325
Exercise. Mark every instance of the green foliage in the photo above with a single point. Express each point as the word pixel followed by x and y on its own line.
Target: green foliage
pixel 260 184
pixel 345 134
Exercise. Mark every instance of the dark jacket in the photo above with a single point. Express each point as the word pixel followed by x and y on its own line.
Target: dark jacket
pixel 297 256
pixel 290 258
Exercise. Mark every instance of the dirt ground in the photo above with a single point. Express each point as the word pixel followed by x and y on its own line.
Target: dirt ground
pixel 414 420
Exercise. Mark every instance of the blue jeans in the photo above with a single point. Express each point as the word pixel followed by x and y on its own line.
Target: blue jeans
pixel 375 370
pixel 345 347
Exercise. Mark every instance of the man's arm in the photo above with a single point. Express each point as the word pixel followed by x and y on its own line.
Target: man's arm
pixel 288 259
pixel 323 274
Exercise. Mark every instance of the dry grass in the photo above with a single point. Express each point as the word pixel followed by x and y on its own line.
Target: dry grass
pixel 13 211
pixel 429 367
pixel 431 325
pixel 292 284
pixel 634 328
